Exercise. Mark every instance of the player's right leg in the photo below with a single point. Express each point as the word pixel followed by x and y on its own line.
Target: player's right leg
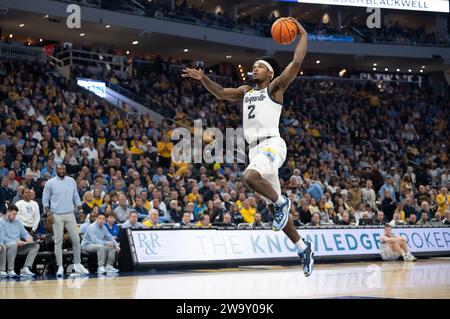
pixel 254 180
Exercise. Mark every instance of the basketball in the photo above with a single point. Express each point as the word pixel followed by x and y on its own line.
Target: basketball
pixel 284 31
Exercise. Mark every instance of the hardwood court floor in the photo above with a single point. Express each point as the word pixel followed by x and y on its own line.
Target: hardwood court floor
pixel 428 278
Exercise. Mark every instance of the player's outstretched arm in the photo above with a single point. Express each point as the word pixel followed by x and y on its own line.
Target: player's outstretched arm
pixel 291 71
pixel 230 94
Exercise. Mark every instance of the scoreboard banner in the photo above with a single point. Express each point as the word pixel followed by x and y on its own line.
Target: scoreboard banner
pixel 150 246
pixel 415 5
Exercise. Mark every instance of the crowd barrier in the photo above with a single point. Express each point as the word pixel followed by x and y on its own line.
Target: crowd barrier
pixel 159 248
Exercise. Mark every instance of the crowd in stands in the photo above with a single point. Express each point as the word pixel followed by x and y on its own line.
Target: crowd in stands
pixel 357 155
pixel 354 152
pixel 394 32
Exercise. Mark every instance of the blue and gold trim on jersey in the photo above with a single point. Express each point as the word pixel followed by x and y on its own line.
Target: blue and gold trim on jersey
pixel 270 152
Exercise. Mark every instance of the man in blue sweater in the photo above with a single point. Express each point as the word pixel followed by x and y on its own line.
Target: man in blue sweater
pixel 98 239
pixel 16 240
pixel 59 199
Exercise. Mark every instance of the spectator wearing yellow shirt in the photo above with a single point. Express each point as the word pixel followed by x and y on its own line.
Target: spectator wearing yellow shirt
pixel 53 118
pixel 101 139
pixel 192 197
pixel 152 220
pixel 443 200
pixel 97 198
pixel 147 204
pixel 50 90
pixel 181 169
pixel 374 100
pixel 313 131
pixel 313 208
pixel 248 212
pixel 205 221
pixel 136 147
pixel 241 200
pixel 164 148
pixel 13 95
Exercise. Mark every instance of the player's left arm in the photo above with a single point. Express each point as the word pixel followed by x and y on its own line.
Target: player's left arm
pixel 290 72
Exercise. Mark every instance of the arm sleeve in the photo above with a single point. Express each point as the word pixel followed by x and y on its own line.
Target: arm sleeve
pixel 76 196
pixel 23 233
pixel 46 195
pixel 108 236
pixel 36 217
pixel 2 235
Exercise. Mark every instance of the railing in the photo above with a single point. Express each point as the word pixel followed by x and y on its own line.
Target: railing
pixel 365 35
pixel 55 62
pixel 88 58
pixel 89 3
pixel 14 51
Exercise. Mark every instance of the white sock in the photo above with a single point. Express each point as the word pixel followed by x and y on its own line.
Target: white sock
pixel 301 246
pixel 403 254
pixel 280 201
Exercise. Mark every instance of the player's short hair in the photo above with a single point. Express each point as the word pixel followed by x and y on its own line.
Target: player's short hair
pixel 387 226
pixel 273 62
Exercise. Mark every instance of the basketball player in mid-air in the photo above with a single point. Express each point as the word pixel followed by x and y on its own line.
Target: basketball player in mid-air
pixel 262 106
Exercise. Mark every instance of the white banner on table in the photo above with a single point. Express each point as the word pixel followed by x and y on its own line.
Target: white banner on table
pixel 160 246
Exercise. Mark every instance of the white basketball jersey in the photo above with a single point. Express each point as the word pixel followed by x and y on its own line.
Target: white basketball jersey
pixel 261 115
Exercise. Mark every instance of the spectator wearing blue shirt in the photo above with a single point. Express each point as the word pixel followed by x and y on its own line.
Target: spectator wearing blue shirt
pixel 90 219
pixel 159 176
pixel 314 189
pixel 116 185
pixel 111 225
pixel 48 169
pixel 140 209
pixel 3 170
pixel 388 186
pixel 132 221
pixel 97 239
pixel 16 241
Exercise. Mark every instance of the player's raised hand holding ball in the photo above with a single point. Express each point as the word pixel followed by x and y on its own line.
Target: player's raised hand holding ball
pixel 285 30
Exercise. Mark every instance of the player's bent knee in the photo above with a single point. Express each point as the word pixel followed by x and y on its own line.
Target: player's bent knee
pixel 251 177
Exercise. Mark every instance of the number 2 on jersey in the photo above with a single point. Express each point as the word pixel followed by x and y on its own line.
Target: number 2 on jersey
pixel 251 109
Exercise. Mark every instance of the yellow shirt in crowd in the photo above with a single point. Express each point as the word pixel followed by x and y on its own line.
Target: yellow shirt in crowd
pixel 148 223
pixel 166 153
pixel 443 203
pixel 135 148
pixel 97 201
pixel 248 214
pixel 192 197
